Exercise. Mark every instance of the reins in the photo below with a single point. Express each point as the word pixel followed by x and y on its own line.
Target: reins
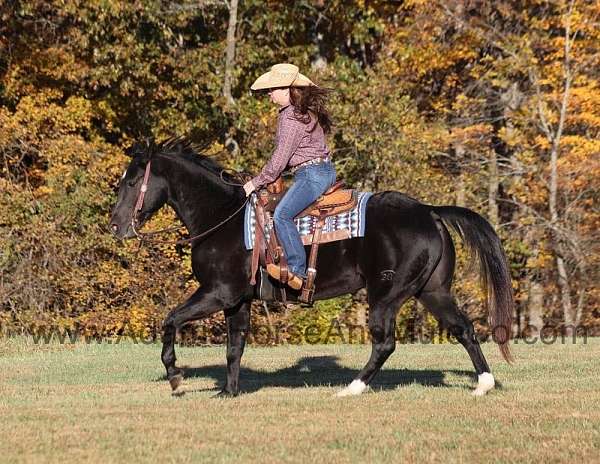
pixel 143 236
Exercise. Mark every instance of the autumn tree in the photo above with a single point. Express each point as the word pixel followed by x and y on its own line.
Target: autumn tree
pixel 490 105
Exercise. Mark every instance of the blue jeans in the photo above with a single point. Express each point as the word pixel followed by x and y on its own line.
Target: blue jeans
pixel 310 182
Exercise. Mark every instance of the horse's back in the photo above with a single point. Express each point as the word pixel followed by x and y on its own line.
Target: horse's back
pixel 397 214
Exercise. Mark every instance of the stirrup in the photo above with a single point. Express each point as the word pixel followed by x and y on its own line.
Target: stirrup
pixel 293 280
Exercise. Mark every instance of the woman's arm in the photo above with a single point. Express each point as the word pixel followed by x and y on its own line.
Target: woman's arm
pixel 289 135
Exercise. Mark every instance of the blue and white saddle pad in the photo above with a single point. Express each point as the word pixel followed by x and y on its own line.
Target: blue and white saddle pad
pixel 339 227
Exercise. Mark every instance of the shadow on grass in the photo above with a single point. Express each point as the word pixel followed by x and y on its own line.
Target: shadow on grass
pixel 322 371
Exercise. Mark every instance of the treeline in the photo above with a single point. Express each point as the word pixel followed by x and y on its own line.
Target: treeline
pixel 490 105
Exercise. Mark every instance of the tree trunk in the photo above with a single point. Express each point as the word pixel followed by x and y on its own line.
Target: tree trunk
pixel 319 61
pixel 493 181
pixel 535 306
pixel 230 52
pixel 461 190
pixel 565 295
pixel 535 290
pixel 554 137
pixel 230 141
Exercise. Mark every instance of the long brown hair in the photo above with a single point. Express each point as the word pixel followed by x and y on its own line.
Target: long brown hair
pixel 310 102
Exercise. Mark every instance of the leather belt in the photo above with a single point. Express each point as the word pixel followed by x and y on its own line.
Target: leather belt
pixel 293 169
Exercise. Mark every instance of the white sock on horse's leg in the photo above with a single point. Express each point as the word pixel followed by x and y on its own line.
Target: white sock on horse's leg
pixel 355 388
pixel 485 384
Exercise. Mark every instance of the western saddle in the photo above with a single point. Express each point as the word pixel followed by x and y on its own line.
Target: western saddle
pixel 334 201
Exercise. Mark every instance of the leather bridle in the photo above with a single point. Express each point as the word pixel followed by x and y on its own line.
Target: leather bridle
pixel 140 201
pixel 143 236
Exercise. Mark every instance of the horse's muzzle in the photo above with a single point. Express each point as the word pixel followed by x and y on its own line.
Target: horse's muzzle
pixel 121 232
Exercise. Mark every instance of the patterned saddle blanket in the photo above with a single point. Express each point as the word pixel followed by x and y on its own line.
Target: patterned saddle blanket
pixel 341 226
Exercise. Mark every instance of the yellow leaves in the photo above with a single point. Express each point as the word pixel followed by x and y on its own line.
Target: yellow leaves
pixel 585 105
pixel 581 147
pixel 511 137
pixel 106 113
pixel 43 191
pixel 139 321
pixel 474 137
pixel 39 116
pixel 586 119
pixel 70 150
pixel 542 260
pixel 541 143
pixel 59 64
pixel 579 163
pixel 214 149
pixel 77 114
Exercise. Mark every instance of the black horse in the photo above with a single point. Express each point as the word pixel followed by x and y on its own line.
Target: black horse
pixel 406 252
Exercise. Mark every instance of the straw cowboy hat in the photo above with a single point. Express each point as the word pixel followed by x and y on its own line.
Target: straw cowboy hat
pixel 281 75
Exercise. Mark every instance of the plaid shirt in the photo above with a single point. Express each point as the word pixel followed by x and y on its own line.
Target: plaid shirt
pixel 294 144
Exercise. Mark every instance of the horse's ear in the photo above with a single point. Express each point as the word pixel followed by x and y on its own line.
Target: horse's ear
pixel 130 151
pixel 139 150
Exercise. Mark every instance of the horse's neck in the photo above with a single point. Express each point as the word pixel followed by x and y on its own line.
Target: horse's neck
pixel 200 198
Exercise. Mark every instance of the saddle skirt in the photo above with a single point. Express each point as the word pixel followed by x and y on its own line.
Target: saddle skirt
pixel 337 226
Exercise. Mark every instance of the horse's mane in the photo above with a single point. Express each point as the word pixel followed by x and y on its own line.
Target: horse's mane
pixel 183 147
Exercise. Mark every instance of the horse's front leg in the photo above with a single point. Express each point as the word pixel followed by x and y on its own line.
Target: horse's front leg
pixel 238 326
pixel 201 304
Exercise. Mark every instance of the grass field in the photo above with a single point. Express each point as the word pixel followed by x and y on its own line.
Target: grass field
pixel 110 403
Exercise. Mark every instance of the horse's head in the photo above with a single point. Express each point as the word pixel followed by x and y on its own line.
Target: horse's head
pixel 134 206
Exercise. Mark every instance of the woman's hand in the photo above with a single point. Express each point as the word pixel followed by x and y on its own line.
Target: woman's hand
pixel 249 187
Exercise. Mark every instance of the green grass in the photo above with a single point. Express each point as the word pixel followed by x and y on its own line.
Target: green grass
pixel 110 403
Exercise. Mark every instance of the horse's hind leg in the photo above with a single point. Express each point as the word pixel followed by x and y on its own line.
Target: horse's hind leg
pixel 442 305
pixel 382 326
pixel 238 325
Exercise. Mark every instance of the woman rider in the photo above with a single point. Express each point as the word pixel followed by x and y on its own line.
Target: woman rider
pixel 302 124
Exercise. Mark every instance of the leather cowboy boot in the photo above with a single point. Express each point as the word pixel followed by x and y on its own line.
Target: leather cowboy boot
pixel 293 281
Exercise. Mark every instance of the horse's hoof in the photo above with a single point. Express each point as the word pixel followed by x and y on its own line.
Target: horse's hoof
pixel 485 384
pixel 178 393
pixel 355 388
pixel 226 394
pixel 176 388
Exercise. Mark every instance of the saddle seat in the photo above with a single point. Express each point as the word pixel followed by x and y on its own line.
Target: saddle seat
pixel 334 201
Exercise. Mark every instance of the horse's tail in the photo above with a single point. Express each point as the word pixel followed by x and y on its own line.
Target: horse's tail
pixel 482 240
